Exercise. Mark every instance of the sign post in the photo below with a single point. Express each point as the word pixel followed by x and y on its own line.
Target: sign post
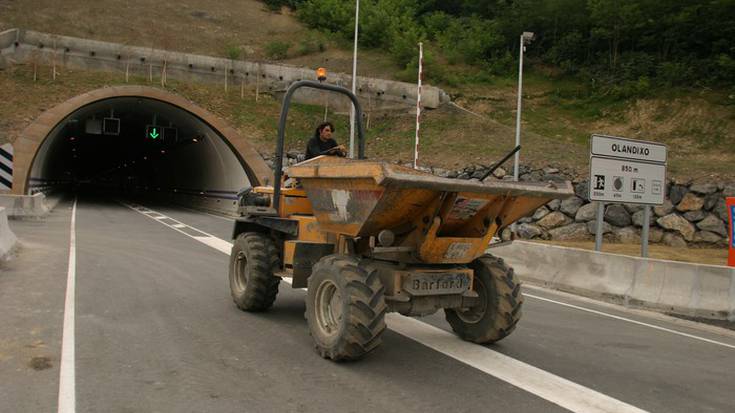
pixel 730 202
pixel 627 171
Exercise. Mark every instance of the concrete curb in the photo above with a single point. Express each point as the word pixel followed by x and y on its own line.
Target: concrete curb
pixel 694 290
pixel 24 206
pixel 8 240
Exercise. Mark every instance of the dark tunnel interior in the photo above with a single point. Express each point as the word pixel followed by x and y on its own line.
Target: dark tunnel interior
pixel 139 146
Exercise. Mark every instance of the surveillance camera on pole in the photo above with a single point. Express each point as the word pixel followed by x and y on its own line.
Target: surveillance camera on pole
pixel 526 38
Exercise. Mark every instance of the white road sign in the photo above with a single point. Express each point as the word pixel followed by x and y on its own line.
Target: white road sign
pixel 627 148
pixel 623 180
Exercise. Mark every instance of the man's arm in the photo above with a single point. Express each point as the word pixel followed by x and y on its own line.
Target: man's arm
pixel 335 149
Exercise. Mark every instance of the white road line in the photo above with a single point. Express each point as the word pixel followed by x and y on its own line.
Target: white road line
pixel 628 320
pixel 541 383
pixel 176 226
pixel 633 311
pixel 67 380
pixel 216 243
pixel 219 216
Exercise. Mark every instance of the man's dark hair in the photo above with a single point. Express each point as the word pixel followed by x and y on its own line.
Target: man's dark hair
pixel 321 126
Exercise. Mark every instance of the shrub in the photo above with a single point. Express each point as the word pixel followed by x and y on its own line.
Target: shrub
pixel 310 44
pixel 233 52
pixel 276 5
pixel 277 50
pixel 471 40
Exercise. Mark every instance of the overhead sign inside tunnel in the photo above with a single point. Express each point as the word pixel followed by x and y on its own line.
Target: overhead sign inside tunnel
pixel 166 134
pixel 154 132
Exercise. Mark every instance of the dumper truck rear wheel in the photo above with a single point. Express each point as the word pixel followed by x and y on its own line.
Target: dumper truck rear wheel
pixel 253 260
pixel 499 306
pixel 345 308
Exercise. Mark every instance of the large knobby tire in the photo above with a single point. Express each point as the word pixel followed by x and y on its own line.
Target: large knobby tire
pixel 345 308
pixel 500 302
pixel 253 260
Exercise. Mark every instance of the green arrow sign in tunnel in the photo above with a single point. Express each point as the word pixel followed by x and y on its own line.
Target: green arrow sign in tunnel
pixel 199 165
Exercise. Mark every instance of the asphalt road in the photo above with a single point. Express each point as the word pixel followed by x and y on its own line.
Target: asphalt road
pixel 156 331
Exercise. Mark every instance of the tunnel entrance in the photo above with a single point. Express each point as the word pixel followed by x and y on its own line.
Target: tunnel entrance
pixel 143 141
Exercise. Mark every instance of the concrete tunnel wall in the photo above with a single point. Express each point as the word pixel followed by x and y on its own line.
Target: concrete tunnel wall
pixel 230 159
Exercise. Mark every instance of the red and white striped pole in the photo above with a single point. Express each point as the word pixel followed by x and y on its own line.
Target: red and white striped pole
pixel 418 107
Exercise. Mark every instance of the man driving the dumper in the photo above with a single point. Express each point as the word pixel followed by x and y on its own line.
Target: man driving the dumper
pixel 323 144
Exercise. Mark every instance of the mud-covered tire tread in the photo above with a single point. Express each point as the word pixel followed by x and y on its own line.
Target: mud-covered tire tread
pixel 262 261
pixel 505 303
pixel 363 320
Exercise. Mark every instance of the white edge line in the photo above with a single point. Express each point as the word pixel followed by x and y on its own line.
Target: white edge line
pixel 67 379
pixel 543 384
pixel 617 317
pixel 635 311
pixel 176 227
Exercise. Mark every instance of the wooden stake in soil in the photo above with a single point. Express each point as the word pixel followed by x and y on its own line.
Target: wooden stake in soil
pixel 53 59
pixel 127 71
pixel 163 74
pixel 242 88
pixel 150 72
pixel 226 77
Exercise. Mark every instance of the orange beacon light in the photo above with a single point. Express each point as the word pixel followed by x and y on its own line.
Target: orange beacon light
pixel 321 74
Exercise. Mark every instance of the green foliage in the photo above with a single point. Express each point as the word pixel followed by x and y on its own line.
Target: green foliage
pixel 277 50
pixel 233 52
pixel 310 44
pixel 276 5
pixel 622 47
pixel 471 40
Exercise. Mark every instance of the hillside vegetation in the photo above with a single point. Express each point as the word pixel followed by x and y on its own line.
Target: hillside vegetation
pixel 594 90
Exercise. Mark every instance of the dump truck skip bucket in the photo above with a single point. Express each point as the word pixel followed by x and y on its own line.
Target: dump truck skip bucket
pixel 360 198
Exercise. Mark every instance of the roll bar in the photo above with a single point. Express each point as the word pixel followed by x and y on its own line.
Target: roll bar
pixel 282 128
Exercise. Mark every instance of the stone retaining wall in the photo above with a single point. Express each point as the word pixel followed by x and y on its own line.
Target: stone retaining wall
pixel 694 214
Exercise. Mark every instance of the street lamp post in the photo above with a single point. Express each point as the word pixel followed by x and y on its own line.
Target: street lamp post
pixel 354 82
pixel 526 38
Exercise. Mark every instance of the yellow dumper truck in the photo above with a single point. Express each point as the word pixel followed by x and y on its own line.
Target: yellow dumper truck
pixel 366 237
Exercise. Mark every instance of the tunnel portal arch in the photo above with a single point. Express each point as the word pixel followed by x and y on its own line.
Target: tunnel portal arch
pixel 33 136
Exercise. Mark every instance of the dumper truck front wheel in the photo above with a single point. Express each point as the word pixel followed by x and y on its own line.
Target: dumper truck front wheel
pixel 499 307
pixel 345 308
pixel 253 260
